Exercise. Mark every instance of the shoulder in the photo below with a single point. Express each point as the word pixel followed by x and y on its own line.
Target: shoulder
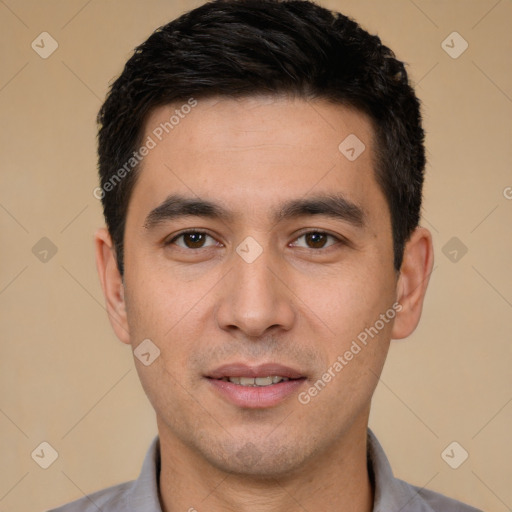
pixel 438 502
pixel 140 494
pixel 111 499
pixel 393 494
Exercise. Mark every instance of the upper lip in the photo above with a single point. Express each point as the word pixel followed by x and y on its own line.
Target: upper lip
pixel 262 370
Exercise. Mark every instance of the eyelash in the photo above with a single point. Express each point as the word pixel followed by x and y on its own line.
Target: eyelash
pixel 318 232
pixel 188 231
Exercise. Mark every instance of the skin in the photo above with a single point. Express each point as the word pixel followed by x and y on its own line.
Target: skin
pixel 298 304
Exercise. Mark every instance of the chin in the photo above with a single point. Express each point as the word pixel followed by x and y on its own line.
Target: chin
pixel 257 458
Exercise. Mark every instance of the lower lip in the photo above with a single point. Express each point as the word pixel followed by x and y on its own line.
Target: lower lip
pixel 256 397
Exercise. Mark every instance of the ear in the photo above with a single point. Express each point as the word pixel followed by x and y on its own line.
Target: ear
pixel 112 283
pixel 413 281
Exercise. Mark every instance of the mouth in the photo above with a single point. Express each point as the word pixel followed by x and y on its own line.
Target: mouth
pixel 255 387
pixel 262 375
pixel 256 381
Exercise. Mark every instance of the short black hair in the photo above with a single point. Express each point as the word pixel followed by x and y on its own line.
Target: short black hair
pixel 242 48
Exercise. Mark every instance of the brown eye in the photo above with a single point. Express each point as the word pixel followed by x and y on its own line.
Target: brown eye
pixel 315 240
pixel 192 240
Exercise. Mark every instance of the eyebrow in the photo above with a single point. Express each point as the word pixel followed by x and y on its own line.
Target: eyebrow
pixel 330 205
pixel 335 206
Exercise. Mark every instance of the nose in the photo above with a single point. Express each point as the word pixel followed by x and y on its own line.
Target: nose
pixel 255 298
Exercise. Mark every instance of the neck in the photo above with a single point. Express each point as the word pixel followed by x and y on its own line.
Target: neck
pixel 331 481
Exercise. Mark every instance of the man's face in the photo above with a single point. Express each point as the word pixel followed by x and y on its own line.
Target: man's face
pixel 254 287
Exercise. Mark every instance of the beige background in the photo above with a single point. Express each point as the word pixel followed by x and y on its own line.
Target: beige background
pixel 66 379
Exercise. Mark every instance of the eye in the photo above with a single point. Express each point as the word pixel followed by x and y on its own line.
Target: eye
pixel 192 240
pixel 315 240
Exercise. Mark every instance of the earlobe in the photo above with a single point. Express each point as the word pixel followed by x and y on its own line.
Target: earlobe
pixel 412 283
pixel 111 283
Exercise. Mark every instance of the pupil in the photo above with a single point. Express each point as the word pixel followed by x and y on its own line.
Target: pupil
pixel 316 239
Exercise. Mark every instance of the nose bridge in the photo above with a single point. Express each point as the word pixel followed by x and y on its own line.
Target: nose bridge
pixel 254 299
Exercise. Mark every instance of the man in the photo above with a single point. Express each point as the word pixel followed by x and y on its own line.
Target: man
pixel 261 166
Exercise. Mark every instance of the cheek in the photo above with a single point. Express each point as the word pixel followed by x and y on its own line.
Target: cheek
pixel 355 339
pixel 159 297
pixel 349 298
pixel 168 310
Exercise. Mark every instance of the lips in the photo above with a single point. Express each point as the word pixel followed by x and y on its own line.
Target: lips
pixel 261 371
pixel 249 387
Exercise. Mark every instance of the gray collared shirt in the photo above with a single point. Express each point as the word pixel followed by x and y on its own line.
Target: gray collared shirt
pixel 391 494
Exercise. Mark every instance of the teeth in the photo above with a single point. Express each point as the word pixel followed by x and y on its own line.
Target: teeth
pixel 256 381
pixel 263 381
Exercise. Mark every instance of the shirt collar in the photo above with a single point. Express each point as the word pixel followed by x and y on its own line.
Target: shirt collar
pixel 390 493
pixel 143 495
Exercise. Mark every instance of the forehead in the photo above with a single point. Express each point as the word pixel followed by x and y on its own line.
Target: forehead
pixel 253 151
